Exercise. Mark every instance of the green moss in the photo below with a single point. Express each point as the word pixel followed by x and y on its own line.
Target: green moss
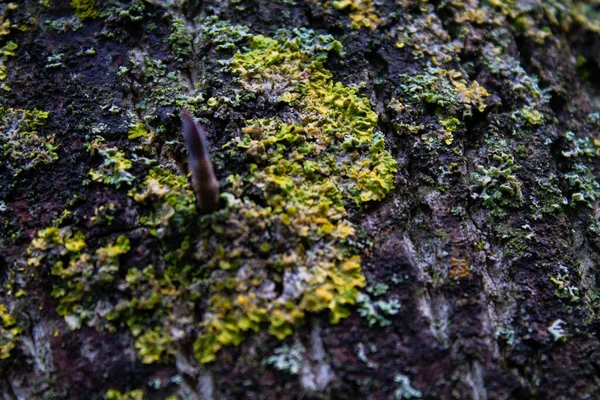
pixel 85 8
pixel 22 146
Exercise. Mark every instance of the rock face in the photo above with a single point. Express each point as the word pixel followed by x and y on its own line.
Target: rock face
pixel 408 199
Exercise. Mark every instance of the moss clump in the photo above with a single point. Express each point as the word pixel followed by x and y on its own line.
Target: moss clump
pixel 85 8
pixel 113 170
pixel 22 147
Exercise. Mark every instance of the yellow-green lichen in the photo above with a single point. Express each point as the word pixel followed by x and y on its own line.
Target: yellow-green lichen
pixel 137 130
pixel 306 169
pixel 9 333
pixel 424 34
pixel 7 49
pixel 82 275
pixel 113 170
pixel 22 146
pixel 114 394
pixel 277 250
pixel 362 12
pixel 528 17
pixel 85 8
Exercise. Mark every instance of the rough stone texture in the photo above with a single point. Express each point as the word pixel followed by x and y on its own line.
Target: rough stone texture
pixel 473 277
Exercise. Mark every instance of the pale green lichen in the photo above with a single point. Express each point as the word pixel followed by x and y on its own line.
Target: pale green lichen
pixel 446 89
pixel 564 288
pixel 287 358
pixel 23 147
pixel 497 184
pixel 376 311
pixel 405 389
pixel 113 170
pixel 580 179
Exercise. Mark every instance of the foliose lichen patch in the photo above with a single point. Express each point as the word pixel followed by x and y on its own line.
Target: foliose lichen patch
pixel 279 249
pixel 22 146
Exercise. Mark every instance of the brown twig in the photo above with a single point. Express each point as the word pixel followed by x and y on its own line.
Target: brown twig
pixel 204 181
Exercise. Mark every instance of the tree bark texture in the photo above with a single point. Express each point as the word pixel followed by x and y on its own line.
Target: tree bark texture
pixel 408 208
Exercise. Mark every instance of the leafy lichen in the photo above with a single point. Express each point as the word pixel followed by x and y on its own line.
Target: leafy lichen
pixel 362 12
pixel 85 8
pixel 7 49
pixel 82 276
pixel 9 333
pixel 114 169
pixel 497 184
pixel 275 252
pixel 22 146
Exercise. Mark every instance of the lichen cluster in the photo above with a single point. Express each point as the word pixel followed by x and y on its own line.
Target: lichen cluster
pixel 22 146
pixel 449 92
pixel 277 250
pixel 115 166
pixel 361 12
pixel 526 16
pixel 7 48
pixel 9 333
pixel 84 278
pixel 85 8
pixel 497 184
